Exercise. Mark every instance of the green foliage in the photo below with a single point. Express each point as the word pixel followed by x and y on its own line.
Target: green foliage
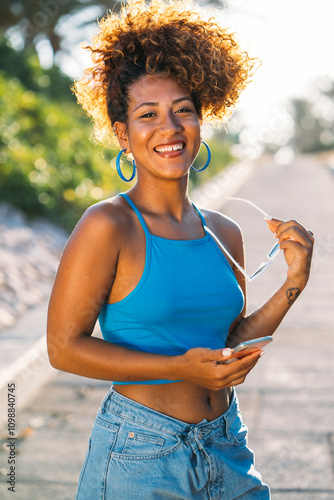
pixel 49 164
pixel 25 66
pixel 220 157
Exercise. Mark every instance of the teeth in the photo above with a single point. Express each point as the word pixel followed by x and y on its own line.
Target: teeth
pixel 164 149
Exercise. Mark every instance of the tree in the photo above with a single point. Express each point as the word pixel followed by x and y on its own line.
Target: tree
pixel 27 22
pixel 47 165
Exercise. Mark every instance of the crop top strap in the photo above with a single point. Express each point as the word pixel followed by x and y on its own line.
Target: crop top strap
pixel 137 212
pixel 200 214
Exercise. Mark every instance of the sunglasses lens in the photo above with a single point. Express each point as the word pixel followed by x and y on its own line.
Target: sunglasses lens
pixel 274 252
pixel 260 270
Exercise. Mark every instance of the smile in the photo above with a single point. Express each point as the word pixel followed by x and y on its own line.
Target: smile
pixel 169 147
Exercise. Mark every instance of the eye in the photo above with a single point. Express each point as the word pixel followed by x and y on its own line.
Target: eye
pixel 184 109
pixel 149 114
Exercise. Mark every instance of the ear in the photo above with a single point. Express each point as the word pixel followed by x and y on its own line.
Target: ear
pixel 121 133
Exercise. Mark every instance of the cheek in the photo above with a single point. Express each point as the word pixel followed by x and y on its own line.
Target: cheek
pixel 139 136
pixel 196 134
pixel 195 128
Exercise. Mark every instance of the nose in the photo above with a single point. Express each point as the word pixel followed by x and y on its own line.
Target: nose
pixel 170 124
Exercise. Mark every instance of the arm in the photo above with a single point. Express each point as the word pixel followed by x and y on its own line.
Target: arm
pixel 297 244
pixel 86 273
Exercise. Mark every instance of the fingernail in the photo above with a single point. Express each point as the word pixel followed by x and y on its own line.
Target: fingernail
pixel 226 352
pixel 268 219
pixel 261 353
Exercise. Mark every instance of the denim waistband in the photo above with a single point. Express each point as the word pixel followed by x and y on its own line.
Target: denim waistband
pixel 130 410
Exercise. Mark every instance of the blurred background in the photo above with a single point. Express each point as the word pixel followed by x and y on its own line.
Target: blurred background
pixel 48 153
pixel 50 166
pixel 278 149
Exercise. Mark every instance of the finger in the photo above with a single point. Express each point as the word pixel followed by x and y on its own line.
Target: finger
pixel 294 224
pixel 219 355
pixel 239 376
pixel 249 360
pixel 238 381
pixel 297 248
pixel 227 355
pixel 242 366
pixel 273 224
pixel 296 234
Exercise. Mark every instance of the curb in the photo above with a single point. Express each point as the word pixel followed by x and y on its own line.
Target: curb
pixel 24 360
pixel 29 373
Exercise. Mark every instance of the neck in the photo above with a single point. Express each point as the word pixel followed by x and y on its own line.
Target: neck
pixel 168 198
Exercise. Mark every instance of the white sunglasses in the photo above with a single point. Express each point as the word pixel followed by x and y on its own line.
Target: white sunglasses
pixel 271 255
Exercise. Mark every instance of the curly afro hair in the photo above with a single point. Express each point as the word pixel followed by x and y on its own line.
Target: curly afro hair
pixel 174 37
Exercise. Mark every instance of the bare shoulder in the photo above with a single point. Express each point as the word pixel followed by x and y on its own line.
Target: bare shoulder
pixel 100 234
pixel 91 254
pixel 106 216
pixel 224 227
pixel 106 219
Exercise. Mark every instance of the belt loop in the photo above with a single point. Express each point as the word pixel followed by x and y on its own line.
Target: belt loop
pixel 105 399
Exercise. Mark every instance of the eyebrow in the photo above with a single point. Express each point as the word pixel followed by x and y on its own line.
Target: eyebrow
pixel 176 101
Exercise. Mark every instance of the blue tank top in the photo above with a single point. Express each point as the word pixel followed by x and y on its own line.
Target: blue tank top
pixel 187 296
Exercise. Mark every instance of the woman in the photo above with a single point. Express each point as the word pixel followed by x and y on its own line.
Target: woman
pixel 167 298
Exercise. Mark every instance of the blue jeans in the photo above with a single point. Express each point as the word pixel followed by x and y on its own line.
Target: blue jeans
pixel 136 453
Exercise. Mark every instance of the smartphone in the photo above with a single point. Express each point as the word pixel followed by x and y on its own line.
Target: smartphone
pixel 248 347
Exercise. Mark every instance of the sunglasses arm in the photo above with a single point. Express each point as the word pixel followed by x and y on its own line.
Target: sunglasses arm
pixel 237 265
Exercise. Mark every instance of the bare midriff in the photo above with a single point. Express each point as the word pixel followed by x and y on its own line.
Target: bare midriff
pixel 184 401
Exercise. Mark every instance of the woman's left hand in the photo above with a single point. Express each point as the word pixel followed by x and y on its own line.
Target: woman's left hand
pixel 297 244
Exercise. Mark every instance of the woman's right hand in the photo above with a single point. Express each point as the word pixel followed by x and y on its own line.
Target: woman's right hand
pixel 206 367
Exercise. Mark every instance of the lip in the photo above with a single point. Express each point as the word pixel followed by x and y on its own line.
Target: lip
pixel 172 153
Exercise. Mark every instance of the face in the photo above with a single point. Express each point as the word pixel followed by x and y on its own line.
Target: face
pixel 163 130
